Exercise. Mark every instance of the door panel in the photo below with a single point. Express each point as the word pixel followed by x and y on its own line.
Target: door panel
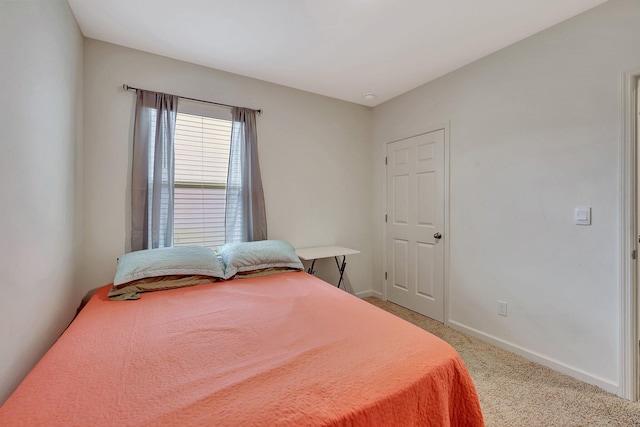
pixel 400 264
pixel 426 209
pixel 415 212
pixel 424 262
pixel 401 200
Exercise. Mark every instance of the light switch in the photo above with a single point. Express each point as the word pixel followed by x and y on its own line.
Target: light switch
pixel 582 215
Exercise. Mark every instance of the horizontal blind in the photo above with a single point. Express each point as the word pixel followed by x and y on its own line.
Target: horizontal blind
pixel 201 162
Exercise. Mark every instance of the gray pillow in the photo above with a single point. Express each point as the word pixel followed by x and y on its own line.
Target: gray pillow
pixel 266 256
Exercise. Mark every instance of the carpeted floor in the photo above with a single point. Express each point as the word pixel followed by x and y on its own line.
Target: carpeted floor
pixel 516 392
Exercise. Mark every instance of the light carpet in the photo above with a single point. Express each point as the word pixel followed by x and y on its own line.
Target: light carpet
pixel 514 391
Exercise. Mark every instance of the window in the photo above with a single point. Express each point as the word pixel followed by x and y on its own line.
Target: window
pixel 201 146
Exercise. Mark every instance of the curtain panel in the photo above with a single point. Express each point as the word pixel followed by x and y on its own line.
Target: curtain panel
pixel 245 215
pixel 153 170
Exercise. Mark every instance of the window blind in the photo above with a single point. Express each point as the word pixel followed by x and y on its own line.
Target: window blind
pixel 201 148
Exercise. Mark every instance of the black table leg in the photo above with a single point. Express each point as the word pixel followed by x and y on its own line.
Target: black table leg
pixel 311 270
pixel 341 267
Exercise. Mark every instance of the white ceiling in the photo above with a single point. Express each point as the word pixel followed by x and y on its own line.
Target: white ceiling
pixel 338 48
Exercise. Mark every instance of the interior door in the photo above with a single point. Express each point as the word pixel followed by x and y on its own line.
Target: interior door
pixel 415 223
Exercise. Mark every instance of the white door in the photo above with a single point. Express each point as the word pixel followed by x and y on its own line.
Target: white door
pixel 415 223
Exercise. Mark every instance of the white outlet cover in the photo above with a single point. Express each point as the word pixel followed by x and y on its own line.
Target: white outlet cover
pixel 582 215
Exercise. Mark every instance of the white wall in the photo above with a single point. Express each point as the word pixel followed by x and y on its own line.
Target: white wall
pixel 535 131
pixel 314 157
pixel 40 225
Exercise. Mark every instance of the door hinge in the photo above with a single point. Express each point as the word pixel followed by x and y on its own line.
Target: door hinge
pixel 385 160
pixel 385 218
pixel 633 254
pixel 385 275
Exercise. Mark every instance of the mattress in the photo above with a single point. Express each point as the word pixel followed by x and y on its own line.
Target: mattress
pixel 280 350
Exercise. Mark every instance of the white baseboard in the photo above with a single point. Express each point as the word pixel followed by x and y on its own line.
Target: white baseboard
pixel 538 358
pixel 369 293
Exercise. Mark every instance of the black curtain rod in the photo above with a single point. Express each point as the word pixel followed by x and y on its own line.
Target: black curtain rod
pixel 127 87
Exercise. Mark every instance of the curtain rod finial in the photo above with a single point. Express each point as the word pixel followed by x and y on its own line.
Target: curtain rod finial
pixel 125 86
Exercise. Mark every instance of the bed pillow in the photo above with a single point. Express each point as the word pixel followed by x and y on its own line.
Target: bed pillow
pixel 248 259
pixel 164 268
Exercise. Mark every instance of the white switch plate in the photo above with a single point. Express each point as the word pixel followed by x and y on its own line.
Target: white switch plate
pixel 502 308
pixel 582 215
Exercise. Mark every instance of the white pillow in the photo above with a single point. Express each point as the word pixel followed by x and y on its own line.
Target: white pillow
pixel 175 261
pixel 268 256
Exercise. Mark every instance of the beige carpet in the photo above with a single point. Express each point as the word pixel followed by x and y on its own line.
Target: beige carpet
pixel 516 392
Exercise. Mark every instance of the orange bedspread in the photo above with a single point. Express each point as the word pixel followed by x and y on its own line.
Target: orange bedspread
pixel 281 350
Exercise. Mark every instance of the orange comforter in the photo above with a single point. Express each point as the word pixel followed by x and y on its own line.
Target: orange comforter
pixel 281 350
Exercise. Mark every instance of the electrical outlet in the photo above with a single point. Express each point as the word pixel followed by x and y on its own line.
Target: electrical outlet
pixel 502 308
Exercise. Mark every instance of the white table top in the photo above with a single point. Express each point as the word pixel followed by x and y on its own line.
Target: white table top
pixel 324 252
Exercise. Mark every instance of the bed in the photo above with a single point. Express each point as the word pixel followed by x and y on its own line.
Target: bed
pixel 282 349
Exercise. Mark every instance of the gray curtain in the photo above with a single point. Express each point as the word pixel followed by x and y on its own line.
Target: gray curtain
pixel 245 216
pixel 152 179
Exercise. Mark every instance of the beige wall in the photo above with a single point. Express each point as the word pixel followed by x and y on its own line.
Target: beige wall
pixel 40 180
pixel 534 132
pixel 313 150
